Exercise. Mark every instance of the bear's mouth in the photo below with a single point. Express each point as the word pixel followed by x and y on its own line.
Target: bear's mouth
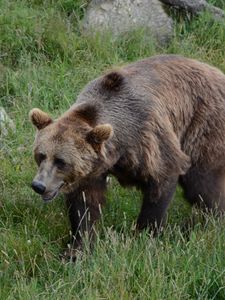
pixel 50 196
pixel 47 197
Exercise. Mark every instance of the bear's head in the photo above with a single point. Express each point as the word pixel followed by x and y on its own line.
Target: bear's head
pixel 68 151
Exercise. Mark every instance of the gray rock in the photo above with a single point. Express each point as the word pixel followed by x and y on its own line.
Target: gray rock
pixel 196 7
pixel 119 16
pixel 6 123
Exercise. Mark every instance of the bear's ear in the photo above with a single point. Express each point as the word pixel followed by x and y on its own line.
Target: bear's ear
pixel 39 118
pixel 113 80
pixel 100 134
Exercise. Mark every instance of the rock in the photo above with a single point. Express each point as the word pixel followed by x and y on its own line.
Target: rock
pixel 120 16
pixel 6 123
pixel 196 7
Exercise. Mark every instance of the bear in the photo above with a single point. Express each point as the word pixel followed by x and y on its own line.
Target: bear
pixel 152 124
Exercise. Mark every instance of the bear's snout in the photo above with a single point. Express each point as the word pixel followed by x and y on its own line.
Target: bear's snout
pixel 38 187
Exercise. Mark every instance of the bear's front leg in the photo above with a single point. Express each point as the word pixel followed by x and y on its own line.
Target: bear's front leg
pixel 156 199
pixel 84 208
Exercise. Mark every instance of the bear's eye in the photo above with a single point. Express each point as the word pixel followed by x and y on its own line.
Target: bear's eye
pixel 59 162
pixel 40 157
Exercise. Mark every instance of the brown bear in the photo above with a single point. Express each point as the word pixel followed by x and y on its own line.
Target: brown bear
pixel 151 124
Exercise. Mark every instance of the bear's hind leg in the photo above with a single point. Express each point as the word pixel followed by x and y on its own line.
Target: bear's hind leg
pixel 84 208
pixel 206 189
pixel 155 203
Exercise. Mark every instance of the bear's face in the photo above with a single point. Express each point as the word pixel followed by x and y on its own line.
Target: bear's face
pixel 67 151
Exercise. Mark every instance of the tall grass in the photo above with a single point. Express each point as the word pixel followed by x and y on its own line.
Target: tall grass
pixel 45 60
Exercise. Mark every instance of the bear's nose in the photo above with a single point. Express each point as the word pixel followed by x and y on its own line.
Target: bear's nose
pixel 38 187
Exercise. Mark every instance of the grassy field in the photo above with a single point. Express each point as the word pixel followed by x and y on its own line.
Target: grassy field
pixel 45 60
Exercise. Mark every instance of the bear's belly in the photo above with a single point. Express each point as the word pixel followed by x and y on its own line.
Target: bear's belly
pixel 127 177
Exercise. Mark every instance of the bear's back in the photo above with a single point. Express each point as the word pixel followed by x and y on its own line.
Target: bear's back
pixel 186 95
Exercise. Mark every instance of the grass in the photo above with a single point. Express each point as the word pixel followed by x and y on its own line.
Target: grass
pixel 45 61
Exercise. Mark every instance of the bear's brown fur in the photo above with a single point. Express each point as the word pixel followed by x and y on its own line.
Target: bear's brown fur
pixel 151 124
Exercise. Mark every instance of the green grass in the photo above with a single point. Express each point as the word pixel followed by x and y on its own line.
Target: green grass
pixel 45 61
